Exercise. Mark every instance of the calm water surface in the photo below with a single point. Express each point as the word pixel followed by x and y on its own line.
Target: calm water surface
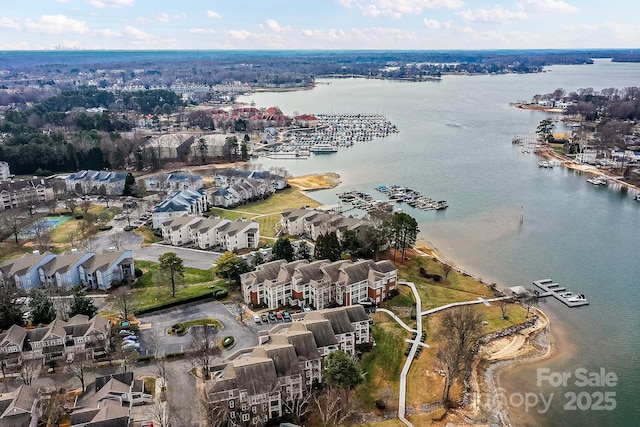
pixel 455 144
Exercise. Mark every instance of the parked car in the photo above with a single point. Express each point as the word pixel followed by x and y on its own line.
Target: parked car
pixel 130 346
pixel 147 424
pixel 286 316
pixel 272 316
pixel 256 318
pixel 132 338
pixel 265 318
pixel 126 332
pixel 279 316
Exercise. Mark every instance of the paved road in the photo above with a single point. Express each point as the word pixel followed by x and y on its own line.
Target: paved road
pixel 191 257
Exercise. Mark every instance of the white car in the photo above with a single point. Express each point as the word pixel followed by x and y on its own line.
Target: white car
pixel 131 346
pixel 256 318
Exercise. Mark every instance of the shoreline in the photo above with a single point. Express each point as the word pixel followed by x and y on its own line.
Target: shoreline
pixel 530 344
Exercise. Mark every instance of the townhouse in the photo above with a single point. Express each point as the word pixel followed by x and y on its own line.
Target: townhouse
pixel 312 223
pixel 318 284
pixel 108 401
pixel 90 181
pixel 5 172
pixel 19 408
pixel 172 182
pixel 217 233
pixel 180 203
pixel 79 337
pixel 91 269
pixel 237 186
pixel 257 384
pixel 25 192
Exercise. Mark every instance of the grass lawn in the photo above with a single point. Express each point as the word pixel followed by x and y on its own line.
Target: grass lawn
pixel 147 235
pixel 383 363
pixel 289 198
pixel 152 294
pixel 209 321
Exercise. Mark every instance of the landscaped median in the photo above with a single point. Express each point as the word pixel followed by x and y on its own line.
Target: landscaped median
pixel 183 327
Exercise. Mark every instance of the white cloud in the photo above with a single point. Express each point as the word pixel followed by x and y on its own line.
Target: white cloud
pixel 273 25
pixel 213 15
pixel 202 31
pixel 550 6
pixel 137 33
pixel 108 32
pixel 165 17
pixel 240 34
pixel 396 8
pixel 111 4
pixel 431 24
pixel 497 14
pixel 55 24
pixel 9 24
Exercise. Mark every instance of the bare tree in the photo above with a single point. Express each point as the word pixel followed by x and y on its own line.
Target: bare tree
pixel 41 232
pixel 116 239
pixel 504 309
pixel 461 330
pixel 299 405
pixel 124 301
pixel 203 349
pixel 79 367
pixel 330 410
pixel 241 309
pixel 13 220
pixel 528 299
pixel 85 205
pixel 29 370
pixel 52 407
pixel 128 358
pixel 162 413
pixel 217 414
pixel 446 269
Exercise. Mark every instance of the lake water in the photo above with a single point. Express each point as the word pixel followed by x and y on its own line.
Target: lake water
pixel 455 144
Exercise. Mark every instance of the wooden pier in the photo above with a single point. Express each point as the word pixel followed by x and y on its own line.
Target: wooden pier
pixel 551 288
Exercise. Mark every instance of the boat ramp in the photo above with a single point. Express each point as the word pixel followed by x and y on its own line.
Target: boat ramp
pixel 553 289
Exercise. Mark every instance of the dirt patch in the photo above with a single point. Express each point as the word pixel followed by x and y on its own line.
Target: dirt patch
pixel 315 181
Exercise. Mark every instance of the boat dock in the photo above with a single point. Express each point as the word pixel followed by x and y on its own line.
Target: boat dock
pixel 411 197
pixel 361 200
pixel 553 289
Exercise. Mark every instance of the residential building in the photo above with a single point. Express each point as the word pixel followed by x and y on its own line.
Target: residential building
pixel 172 182
pixel 5 173
pixel 216 233
pixel 96 270
pixel 25 192
pixel 94 182
pixel 180 203
pixel 79 336
pixel 319 284
pixel 108 401
pixel 312 223
pixel 19 408
pixel 255 384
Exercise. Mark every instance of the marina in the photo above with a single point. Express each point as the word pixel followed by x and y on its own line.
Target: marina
pixel 411 197
pixel 551 288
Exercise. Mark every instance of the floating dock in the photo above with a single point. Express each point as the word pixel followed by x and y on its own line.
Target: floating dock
pixel 550 288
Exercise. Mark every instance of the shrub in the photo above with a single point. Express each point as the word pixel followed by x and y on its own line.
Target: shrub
pixel 228 341
pixel 105 227
pixel 129 228
pixel 219 294
pixel 138 272
pixel 423 272
pixel 173 355
pixel 79 216
pixel 176 326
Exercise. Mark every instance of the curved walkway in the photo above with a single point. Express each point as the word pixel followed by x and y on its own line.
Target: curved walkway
pixel 402 400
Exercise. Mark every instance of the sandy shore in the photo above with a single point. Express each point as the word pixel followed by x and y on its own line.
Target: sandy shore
pixel 313 182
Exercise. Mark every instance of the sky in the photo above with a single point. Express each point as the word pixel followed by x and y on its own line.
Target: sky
pixel 319 24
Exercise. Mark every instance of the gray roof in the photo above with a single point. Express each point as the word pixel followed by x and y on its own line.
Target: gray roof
pixel 266 271
pixel 322 332
pixel 284 359
pixel 22 264
pixel 356 272
pixel 339 320
pixel 356 313
pixel 256 375
pixel 385 266
pixel 62 263
pixel 20 401
pixel 302 340
pixel 311 271
pixel 103 261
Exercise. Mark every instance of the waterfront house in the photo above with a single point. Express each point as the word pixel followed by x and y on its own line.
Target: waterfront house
pixel 319 284
pixel 63 270
pixel 236 235
pixel 204 234
pixel 5 173
pixel 176 231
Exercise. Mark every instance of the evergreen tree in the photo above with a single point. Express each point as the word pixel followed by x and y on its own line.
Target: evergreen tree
pixel 341 371
pixel 282 249
pixel 41 305
pixel 82 304
pixel 405 231
pixel 129 183
pixel 10 313
pixel 172 270
pixel 229 266
pixel 328 247
pixel 303 251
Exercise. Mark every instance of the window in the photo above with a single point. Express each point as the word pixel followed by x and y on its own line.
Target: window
pixel 232 414
pixel 244 406
pixel 254 409
pixel 232 404
pixel 245 417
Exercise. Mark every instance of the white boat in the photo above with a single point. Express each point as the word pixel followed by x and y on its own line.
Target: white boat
pixel 637 197
pixel 544 164
pixel 577 298
pixel 599 180
pixel 323 149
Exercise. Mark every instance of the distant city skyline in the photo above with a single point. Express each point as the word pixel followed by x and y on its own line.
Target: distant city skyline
pixel 329 24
